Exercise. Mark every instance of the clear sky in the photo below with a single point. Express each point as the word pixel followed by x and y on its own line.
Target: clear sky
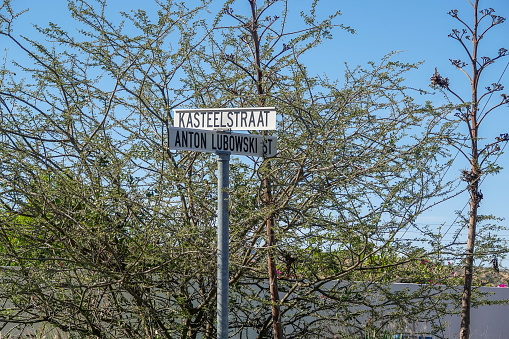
pixel 418 28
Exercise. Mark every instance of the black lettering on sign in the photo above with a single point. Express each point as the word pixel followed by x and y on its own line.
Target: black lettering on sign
pixel 203 122
pixel 213 143
pixel 232 143
pixel 184 139
pixel 181 120
pixel 267 146
pixel 219 142
pixel 225 142
pixel 238 143
pixel 261 123
pixel 196 120
pixel 190 139
pixel 252 120
pixel 199 140
pixel 237 118
pixel 209 119
pixel 203 140
pixel 243 118
pixel 230 119
pixel 253 146
pixel 245 144
pixel 216 118
pixel 222 124
pixel 177 140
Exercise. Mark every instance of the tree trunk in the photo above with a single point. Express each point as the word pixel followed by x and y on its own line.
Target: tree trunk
pixel 473 186
pixel 274 293
pixel 469 263
pixel 271 265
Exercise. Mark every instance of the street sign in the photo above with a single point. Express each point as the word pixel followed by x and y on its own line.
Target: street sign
pixel 239 119
pixel 215 141
pixel 208 130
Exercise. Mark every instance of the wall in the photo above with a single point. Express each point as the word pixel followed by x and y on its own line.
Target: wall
pixel 487 322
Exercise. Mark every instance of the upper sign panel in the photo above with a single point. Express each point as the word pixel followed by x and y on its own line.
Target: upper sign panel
pixel 239 119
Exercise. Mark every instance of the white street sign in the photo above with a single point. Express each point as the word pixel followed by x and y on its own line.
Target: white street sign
pixel 214 141
pixel 240 119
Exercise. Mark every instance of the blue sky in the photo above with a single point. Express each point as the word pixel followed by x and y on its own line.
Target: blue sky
pixel 418 28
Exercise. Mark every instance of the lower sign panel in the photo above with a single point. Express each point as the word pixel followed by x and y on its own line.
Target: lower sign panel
pixel 213 141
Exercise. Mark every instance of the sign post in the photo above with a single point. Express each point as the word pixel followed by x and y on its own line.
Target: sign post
pixel 223 221
pixel 208 130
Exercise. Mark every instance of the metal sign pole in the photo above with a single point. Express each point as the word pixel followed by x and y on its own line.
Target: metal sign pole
pixel 223 178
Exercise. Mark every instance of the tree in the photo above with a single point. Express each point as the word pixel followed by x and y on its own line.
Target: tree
pixel 106 232
pixel 338 185
pixel 95 188
pixel 473 111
